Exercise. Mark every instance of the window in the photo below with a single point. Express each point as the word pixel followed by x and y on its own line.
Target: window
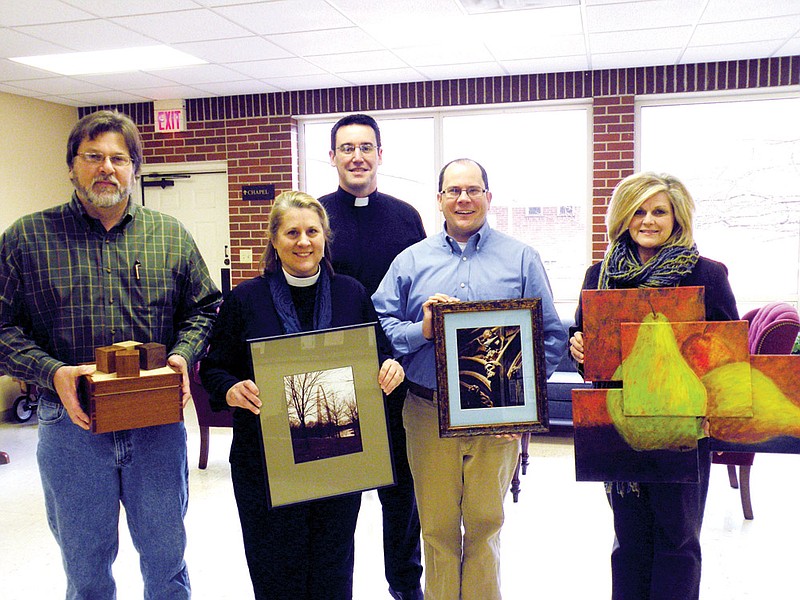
pixel 740 159
pixel 536 158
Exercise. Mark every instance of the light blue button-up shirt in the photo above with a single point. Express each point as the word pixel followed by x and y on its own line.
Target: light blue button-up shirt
pixel 492 266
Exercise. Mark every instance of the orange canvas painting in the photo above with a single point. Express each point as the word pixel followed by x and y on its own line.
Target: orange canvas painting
pixel 605 310
pixel 612 447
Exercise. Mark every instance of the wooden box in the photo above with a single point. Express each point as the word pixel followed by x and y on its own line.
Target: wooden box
pixel 116 403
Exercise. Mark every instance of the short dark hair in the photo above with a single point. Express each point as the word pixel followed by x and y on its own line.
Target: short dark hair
pixel 103 121
pixel 356 119
pixel 484 176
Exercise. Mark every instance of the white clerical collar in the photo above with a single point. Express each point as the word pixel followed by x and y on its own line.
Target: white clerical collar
pixel 361 201
pixel 301 281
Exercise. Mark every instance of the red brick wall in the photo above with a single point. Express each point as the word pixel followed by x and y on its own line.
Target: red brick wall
pixel 256 134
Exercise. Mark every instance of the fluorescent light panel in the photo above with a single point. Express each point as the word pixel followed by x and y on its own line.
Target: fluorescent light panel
pixel 147 58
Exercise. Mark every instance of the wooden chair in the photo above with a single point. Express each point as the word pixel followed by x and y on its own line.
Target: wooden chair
pixel 773 330
pixel 206 417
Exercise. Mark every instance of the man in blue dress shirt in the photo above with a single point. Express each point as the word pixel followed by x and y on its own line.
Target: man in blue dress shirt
pixel 459 482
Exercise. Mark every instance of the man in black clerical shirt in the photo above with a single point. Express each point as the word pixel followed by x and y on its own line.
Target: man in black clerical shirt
pixel 369 230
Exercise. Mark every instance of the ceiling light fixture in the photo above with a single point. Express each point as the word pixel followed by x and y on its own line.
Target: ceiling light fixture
pixel 147 58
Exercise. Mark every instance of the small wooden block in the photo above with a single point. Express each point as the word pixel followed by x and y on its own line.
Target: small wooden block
pixel 127 344
pixel 104 357
pixel 152 355
pixel 127 363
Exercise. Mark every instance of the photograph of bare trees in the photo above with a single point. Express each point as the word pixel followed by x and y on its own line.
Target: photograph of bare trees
pixel 323 414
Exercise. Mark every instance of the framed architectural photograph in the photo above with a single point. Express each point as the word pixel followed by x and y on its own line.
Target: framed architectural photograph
pixel 323 419
pixel 490 367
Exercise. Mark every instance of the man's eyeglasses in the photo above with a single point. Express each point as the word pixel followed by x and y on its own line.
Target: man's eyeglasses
pixel 454 193
pixel 96 158
pixel 366 149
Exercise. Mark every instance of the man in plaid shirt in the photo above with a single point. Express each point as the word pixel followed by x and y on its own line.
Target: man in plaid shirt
pixel 95 271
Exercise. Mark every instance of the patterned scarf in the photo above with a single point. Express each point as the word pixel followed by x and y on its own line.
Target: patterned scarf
pixel 622 268
pixel 282 298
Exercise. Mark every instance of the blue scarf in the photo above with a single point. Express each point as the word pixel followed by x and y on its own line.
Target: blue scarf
pixel 282 298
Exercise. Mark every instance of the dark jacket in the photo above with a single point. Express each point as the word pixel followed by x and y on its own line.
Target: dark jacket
pixel 713 275
pixel 247 313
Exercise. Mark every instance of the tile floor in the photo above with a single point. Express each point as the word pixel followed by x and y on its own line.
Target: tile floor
pixel 555 542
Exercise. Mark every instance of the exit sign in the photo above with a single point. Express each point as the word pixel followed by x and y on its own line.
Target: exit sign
pixel 170 116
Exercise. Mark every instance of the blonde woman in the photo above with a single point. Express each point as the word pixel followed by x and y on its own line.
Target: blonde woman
pixel 656 553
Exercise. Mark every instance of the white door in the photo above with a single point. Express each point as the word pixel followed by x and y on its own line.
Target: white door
pixel 200 202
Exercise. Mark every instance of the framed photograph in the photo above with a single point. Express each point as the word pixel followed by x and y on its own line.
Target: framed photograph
pixel 490 367
pixel 323 419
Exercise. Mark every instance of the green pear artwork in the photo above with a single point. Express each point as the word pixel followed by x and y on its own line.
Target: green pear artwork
pixel 676 379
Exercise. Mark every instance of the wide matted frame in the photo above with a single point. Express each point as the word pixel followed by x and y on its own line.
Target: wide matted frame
pixel 490 367
pixel 323 418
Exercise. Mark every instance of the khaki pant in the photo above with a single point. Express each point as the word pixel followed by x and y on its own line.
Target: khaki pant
pixel 458 481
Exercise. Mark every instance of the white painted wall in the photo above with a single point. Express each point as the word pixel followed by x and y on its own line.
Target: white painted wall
pixel 33 169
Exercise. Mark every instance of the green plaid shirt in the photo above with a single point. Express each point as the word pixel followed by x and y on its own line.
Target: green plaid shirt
pixel 68 286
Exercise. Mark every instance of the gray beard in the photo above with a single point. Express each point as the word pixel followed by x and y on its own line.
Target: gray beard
pixel 104 200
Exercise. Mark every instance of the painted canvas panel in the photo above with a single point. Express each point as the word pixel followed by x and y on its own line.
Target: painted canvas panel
pixel 775 424
pixel 604 310
pixel 667 366
pixel 612 447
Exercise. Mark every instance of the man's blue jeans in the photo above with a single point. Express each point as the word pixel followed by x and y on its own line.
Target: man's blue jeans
pixel 85 477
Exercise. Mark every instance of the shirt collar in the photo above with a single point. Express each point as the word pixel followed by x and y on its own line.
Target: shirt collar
pixel 474 240
pixel 352 200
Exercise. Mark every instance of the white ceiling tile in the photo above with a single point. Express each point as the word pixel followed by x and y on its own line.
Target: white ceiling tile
pixel 778 28
pixel 236 88
pixel 183 26
pixel 484 69
pixel 58 85
pixel 112 97
pixel 735 10
pixel 279 67
pixel 645 39
pixel 234 49
pixel 642 14
pixel 199 74
pixel 516 48
pixel 306 82
pixel 790 48
pixel 379 76
pixel 119 8
pixel 137 79
pixel 730 52
pixel 640 58
pixel 15 44
pixel 87 35
pixel 282 16
pixel 542 21
pixel 10 70
pixel 357 61
pixel 168 92
pixel 18 12
pixel 316 43
pixel 444 54
pixel 559 64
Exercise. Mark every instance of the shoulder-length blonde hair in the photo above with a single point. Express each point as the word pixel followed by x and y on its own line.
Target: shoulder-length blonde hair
pixel 270 263
pixel 635 190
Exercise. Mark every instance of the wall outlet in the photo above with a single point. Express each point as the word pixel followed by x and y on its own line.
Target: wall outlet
pixel 246 255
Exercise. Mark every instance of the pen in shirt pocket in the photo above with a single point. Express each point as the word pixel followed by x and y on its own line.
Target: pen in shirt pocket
pixel 136 266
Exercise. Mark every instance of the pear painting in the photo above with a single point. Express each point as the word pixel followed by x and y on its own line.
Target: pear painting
pixel 678 379
pixel 657 380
